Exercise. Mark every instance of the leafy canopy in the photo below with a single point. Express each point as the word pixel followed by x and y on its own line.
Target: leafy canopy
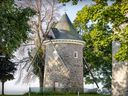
pixel 97 23
pixel 74 2
pixel 13 26
pixel 7 69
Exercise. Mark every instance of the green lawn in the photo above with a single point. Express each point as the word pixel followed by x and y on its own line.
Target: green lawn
pixel 68 94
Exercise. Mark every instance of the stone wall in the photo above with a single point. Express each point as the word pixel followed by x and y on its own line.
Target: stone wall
pixel 119 75
pixel 119 80
pixel 64 71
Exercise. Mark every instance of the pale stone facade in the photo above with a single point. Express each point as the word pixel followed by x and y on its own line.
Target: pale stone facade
pixel 64 65
pixel 119 69
pixel 119 75
pixel 120 80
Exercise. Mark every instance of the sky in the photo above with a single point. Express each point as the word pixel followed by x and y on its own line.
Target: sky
pixel 12 87
pixel 72 10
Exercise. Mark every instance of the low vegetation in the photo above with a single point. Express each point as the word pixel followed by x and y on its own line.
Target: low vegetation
pixel 59 94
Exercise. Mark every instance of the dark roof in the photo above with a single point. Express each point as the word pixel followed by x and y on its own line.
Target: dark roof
pixel 65 29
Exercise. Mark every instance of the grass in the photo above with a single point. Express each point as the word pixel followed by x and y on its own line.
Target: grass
pixel 68 94
pixel 59 94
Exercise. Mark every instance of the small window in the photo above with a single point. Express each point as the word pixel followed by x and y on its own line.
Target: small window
pixel 75 54
pixel 56 84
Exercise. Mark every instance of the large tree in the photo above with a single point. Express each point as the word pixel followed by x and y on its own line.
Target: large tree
pixel 14 27
pixel 14 30
pixel 98 23
pixel 7 69
pixel 41 23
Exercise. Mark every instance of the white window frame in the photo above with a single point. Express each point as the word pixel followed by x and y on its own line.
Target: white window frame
pixel 56 84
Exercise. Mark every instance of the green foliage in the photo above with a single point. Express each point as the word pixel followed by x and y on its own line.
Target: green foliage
pixel 68 94
pixel 122 36
pixel 64 94
pixel 13 26
pixel 97 22
pixel 7 69
pixel 14 29
pixel 74 2
pixel 37 61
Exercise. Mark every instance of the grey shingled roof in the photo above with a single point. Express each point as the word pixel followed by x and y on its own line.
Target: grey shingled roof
pixel 65 29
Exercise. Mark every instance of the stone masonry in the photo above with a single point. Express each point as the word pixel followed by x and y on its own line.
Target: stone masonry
pixel 119 75
pixel 64 65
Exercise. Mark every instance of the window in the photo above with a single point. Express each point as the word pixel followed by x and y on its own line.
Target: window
pixel 58 85
pixel 75 54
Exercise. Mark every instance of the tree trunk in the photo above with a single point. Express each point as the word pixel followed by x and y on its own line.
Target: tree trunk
pixel 2 87
pixel 41 79
pixel 41 76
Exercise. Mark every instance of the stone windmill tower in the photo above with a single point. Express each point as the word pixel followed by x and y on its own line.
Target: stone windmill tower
pixel 64 58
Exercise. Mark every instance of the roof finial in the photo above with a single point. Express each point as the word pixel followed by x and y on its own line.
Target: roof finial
pixel 64 7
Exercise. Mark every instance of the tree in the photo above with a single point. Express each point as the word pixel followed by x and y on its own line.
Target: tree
pixel 13 31
pixel 13 26
pixel 41 23
pixel 104 20
pixel 7 69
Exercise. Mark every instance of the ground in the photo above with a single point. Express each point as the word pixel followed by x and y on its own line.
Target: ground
pixel 49 94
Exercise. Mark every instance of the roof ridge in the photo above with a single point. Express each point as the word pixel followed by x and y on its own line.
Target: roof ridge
pixel 65 27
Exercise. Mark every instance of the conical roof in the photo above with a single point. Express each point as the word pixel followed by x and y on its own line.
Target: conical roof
pixel 65 29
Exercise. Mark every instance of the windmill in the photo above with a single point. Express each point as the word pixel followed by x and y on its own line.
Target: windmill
pixel 64 58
